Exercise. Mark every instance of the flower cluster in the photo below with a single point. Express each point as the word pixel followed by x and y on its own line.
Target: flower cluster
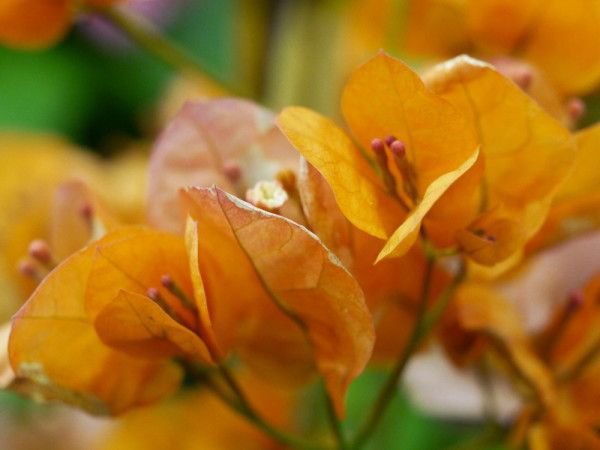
pixel 256 253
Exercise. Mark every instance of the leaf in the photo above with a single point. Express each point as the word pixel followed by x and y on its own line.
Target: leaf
pixel 269 266
pixel 228 142
pixel 54 347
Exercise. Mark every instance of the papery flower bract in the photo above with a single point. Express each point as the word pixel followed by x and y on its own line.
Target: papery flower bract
pixel 282 278
pixel 491 210
pixel 67 199
pixel 230 143
pixel 56 353
pixel 385 98
pixel 574 355
pixel 479 320
pixel 114 307
pixel 392 287
pixel 576 207
pixel 524 165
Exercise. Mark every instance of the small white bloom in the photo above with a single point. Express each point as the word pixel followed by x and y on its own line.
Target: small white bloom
pixel 268 195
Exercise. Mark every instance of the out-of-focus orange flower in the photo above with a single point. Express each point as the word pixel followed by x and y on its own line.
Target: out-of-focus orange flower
pixel 576 207
pixel 27 203
pixel 571 345
pixel 39 23
pixel 68 199
pixel 435 129
pixel 559 37
pixel 196 419
pixel 229 143
pixel 480 319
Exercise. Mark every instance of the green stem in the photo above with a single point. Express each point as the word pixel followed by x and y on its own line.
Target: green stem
pixel 242 406
pixel 253 417
pixel 336 425
pixel 149 38
pixel 390 387
pixel 425 322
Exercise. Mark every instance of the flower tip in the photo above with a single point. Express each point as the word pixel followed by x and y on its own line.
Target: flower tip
pixel 86 212
pixel 27 268
pixel 390 140
pixel 523 78
pixel 167 281
pixel 576 108
pixel 153 293
pixel 232 171
pixel 398 148
pixel 378 146
pixel 40 251
pixel 575 300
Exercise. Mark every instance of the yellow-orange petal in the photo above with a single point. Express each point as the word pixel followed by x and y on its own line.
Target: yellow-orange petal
pixel 56 353
pixel 524 163
pixel 576 207
pixel 139 327
pixel 136 262
pixel 323 214
pixel 436 27
pixel 406 235
pixel 385 97
pixel 559 37
pixel 481 311
pixel 281 264
pixel 358 192
pixel 34 24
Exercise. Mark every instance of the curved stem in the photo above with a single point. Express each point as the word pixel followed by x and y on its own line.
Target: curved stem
pixel 389 388
pixel 149 38
pixel 425 322
pixel 249 414
pixel 242 406
pixel 336 425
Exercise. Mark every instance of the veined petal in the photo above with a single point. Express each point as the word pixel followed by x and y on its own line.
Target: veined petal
pixel 385 97
pixel 55 351
pixel 136 325
pixel 227 142
pixel 358 192
pixel 286 270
